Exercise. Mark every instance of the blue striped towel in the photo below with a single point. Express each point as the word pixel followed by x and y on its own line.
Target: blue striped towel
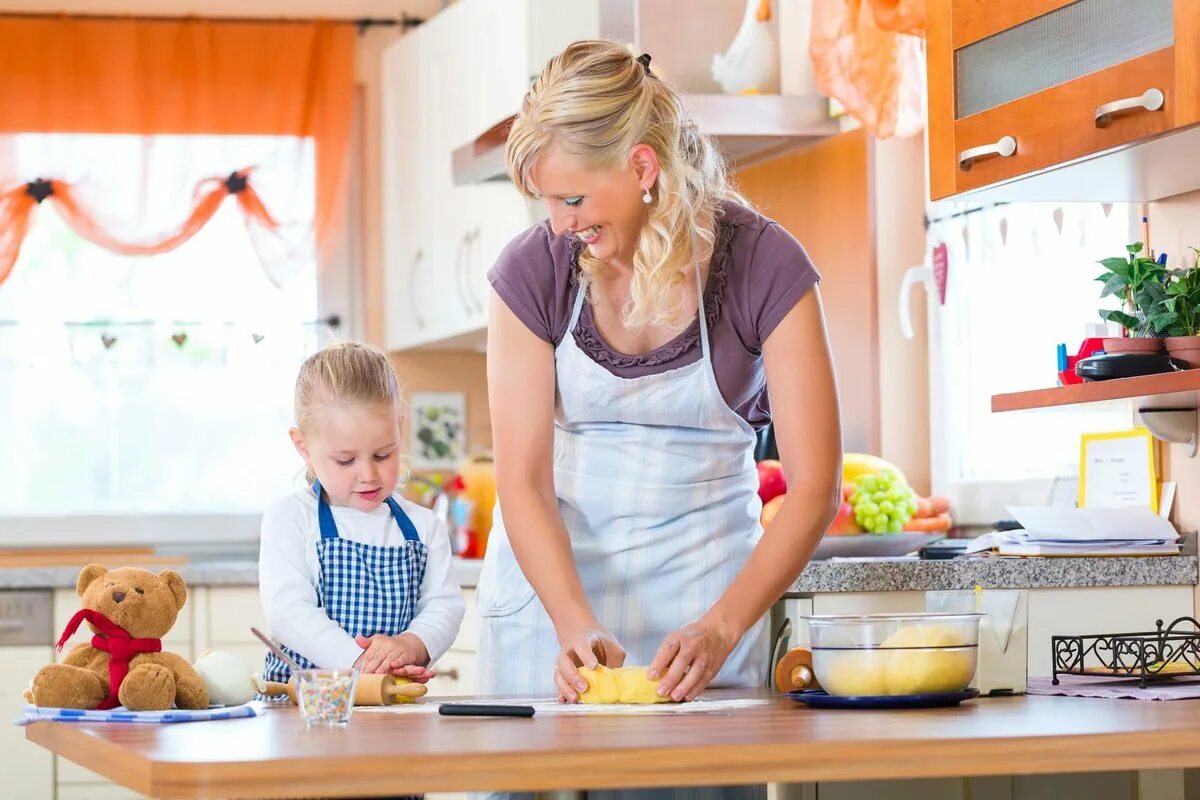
pixel 120 714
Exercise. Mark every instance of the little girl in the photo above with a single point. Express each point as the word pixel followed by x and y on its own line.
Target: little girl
pixel 350 573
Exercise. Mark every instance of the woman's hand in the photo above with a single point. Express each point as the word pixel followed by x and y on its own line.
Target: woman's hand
pixel 691 657
pixel 586 646
pixel 388 653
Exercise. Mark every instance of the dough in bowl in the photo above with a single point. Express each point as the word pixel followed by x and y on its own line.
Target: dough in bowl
pixel 620 685
pixel 916 671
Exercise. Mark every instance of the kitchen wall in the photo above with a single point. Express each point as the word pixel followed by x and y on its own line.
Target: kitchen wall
pixel 1174 226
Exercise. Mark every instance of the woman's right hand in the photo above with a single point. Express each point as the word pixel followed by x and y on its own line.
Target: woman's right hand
pixel 586 646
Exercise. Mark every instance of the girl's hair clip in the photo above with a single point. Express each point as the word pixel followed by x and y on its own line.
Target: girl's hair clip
pixel 644 60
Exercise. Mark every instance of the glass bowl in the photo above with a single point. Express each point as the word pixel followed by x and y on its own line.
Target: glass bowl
pixel 326 696
pixel 879 655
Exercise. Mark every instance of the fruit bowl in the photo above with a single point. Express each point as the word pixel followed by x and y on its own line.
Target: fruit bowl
pixel 880 655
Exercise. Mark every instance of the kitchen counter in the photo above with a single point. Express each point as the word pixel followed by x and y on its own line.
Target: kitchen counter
pixel 212 572
pixel 994 573
pixel 408 750
pixel 818 577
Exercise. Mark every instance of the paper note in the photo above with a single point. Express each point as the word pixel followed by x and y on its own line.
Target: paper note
pixel 1116 470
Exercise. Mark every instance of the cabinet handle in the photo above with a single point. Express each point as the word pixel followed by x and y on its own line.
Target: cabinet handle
pixel 1005 147
pixel 471 239
pixel 1150 100
pixel 461 260
pixel 451 673
pixel 412 289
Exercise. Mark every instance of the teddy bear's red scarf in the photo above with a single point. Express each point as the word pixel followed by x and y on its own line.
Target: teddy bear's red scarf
pixel 114 640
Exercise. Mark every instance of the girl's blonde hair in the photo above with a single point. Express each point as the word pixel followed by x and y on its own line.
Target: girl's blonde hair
pixel 596 101
pixel 343 374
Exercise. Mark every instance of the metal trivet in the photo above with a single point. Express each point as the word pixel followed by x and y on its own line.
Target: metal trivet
pixel 1149 655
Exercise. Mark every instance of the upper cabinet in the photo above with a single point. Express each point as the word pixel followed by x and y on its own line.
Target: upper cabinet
pixel 1059 100
pixel 461 72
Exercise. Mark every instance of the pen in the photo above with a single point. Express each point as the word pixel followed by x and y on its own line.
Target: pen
pixel 480 710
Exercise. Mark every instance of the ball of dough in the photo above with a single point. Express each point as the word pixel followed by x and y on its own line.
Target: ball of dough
pixel 917 671
pixel 856 674
pixel 227 676
pixel 620 685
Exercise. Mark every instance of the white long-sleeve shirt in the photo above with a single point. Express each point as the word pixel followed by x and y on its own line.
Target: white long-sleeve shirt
pixel 288 569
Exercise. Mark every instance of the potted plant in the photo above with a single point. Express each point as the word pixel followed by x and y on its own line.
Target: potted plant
pixel 1176 312
pixel 1138 281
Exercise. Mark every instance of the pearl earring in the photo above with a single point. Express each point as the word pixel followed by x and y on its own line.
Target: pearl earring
pixel 646 198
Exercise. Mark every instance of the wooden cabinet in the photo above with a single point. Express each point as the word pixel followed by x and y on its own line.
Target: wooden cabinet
pixel 444 84
pixel 1067 92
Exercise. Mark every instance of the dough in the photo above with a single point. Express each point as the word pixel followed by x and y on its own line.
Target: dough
pixel 620 685
pixel 856 674
pixel 928 671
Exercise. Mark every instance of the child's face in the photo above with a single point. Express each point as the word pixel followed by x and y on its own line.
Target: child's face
pixel 354 450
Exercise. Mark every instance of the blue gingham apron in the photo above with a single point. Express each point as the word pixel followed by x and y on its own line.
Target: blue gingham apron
pixel 366 589
pixel 657 487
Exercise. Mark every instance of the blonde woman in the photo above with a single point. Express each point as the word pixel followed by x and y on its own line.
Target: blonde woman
pixel 633 337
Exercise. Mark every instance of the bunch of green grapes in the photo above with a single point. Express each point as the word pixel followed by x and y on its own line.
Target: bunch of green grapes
pixel 883 502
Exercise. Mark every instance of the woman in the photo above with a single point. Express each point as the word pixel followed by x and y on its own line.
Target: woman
pixel 624 428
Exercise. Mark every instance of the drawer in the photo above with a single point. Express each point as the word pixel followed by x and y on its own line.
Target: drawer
pixel 1059 125
pixel 96 791
pixel 456 675
pixel 232 611
pixel 466 641
pixel 66 603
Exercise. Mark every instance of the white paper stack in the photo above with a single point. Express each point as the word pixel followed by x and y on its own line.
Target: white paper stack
pixel 1064 531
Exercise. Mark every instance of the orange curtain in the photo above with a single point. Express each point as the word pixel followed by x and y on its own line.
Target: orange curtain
pixel 72 75
pixel 868 55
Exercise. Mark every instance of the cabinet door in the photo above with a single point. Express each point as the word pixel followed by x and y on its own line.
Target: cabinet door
pixel 402 192
pixel 1018 87
pixel 455 675
pixel 28 769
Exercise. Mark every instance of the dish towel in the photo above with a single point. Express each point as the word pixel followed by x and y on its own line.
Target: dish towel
pixel 120 714
pixel 1082 686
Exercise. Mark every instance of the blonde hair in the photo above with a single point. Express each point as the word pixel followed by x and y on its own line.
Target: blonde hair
pixel 596 101
pixel 342 374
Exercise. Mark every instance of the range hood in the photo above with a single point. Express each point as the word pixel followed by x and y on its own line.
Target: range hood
pixel 747 128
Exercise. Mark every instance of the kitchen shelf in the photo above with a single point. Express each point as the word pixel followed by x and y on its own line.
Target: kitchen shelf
pixel 1165 403
pixel 1175 390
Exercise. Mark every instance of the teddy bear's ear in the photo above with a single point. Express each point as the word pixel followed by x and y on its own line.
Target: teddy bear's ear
pixel 174 582
pixel 89 574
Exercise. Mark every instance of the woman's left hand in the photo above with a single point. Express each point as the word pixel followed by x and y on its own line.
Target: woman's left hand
pixel 691 657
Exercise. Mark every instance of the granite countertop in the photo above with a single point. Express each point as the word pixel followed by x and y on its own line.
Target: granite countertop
pixel 899 575
pixel 820 576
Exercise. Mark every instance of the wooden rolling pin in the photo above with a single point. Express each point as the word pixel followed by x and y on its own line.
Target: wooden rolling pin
pixel 369 690
pixel 795 671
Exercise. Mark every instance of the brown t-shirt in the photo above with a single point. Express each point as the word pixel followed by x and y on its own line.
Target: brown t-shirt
pixel 757 275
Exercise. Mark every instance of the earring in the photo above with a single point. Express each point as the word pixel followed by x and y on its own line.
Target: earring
pixel 646 198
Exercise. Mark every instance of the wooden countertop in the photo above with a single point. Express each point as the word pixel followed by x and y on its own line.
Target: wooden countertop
pixel 383 754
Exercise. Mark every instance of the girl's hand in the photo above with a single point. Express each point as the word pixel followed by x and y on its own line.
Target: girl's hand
pixel 691 657
pixel 415 673
pixel 384 653
pixel 584 647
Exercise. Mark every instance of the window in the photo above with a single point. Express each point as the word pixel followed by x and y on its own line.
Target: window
pixel 1021 279
pixel 158 385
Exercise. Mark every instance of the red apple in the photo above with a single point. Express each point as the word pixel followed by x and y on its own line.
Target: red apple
pixel 844 521
pixel 770 509
pixel 771 482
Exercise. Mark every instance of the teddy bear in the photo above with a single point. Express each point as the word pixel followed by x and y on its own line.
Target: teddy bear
pixel 129 610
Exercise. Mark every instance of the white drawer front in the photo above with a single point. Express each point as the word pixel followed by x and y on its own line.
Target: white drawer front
pixel 232 611
pixel 465 642
pixel 456 675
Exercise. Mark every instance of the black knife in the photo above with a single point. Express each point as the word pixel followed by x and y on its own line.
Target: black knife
pixel 481 710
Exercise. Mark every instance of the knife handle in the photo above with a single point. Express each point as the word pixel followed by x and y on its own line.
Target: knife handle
pixel 479 710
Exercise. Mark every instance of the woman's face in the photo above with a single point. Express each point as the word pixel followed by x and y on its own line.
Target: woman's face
pixel 603 208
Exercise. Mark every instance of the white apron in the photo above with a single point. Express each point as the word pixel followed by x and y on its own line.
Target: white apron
pixel 657 487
